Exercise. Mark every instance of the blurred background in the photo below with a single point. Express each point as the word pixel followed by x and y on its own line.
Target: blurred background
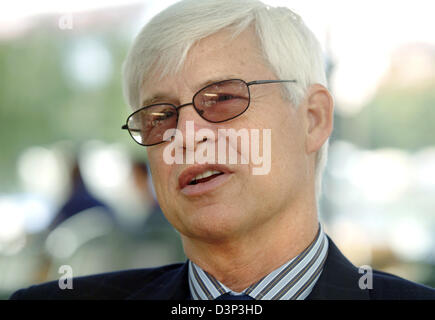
pixel 75 189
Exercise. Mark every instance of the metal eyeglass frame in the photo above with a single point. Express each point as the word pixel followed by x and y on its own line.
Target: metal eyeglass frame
pixel 125 126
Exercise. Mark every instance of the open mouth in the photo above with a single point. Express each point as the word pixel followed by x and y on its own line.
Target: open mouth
pixel 205 176
pixel 200 179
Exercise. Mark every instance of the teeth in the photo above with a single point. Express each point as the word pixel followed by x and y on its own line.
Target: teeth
pixel 205 174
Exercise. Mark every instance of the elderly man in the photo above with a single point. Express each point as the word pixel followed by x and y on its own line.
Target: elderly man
pixel 201 75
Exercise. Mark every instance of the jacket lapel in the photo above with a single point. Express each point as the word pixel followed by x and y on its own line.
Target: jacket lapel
pixel 172 285
pixel 339 279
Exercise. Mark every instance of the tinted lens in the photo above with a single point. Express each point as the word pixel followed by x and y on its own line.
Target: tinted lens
pixel 148 126
pixel 222 100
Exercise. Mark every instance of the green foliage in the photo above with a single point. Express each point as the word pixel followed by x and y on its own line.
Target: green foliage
pixel 40 104
pixel 398 118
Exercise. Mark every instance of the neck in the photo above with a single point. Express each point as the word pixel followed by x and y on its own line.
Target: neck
pixel 239 262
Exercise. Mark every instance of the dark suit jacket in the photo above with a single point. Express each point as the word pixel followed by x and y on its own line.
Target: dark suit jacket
pixel 339 280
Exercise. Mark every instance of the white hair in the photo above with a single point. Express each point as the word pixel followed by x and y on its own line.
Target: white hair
pixel 288 46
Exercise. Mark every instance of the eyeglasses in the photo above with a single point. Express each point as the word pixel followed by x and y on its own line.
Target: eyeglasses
pixel 217 102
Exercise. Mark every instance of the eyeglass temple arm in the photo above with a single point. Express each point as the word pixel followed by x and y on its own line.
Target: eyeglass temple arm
pixel 268 81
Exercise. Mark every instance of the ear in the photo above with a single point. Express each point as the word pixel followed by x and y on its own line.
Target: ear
pixel 319 111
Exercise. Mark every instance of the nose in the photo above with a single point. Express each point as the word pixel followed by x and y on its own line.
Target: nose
pixel 187 112
pixel 190 124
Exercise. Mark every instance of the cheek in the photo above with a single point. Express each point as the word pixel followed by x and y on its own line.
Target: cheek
pixel 154 163
pixel 286 130
pixel 160 171
pixel 288 147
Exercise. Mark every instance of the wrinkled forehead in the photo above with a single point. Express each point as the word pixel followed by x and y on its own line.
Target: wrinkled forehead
pixel 220 56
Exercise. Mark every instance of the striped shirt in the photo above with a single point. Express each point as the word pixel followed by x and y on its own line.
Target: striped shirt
pixel 294 280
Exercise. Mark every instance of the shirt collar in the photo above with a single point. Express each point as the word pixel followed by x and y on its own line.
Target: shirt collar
pixel 293 280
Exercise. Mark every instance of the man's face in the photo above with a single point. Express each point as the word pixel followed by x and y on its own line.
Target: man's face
pixel 237 203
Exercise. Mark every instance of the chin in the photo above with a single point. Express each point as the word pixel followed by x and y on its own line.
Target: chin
pixel 213 223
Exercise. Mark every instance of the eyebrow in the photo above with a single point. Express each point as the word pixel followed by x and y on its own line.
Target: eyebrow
pixel 161 97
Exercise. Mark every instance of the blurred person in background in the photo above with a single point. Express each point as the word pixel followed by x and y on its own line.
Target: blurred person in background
pixel 246 236
pixel 78 221
pixel 79 199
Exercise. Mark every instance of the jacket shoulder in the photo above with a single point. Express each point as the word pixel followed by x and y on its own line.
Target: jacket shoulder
pixel 387 286
pixel 110 285
pixel 340 280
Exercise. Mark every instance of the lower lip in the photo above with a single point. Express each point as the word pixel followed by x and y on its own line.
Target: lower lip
pixel 204 187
